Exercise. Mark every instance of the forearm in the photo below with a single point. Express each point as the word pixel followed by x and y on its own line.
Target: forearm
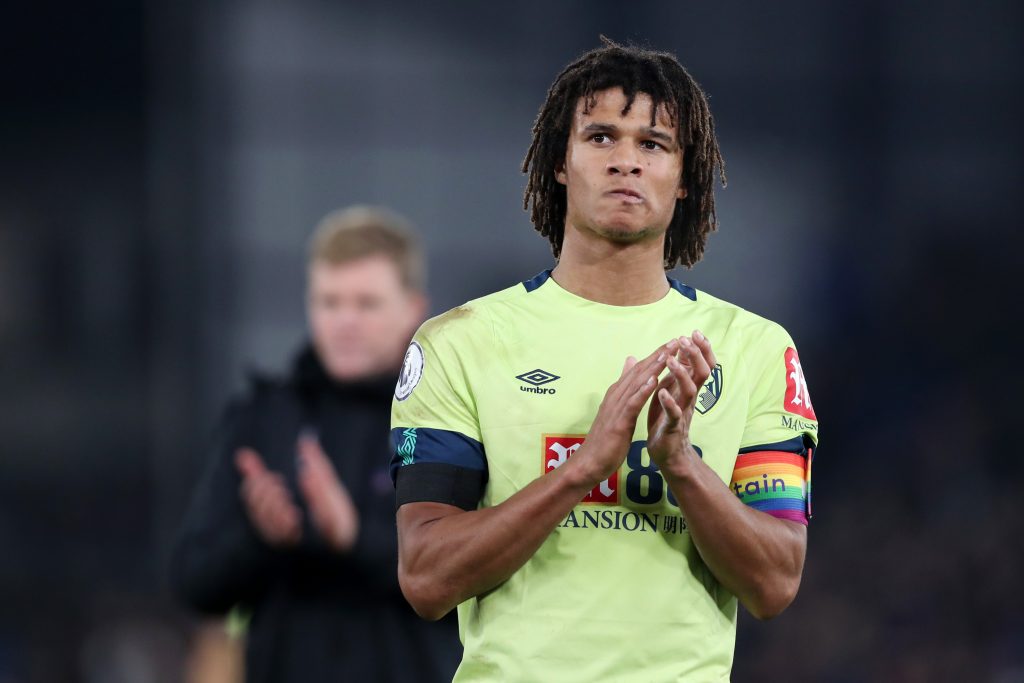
pixel 447 555
pixel 757 557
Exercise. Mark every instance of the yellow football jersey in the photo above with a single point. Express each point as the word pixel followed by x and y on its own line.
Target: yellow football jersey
pixel 505 388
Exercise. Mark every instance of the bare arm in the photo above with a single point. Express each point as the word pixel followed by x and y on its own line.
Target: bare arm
pixel 447 555
pixel 759 558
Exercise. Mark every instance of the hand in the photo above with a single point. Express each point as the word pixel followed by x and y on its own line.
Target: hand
pixel 267 501
pixel 610 434
pixel 671 409
pixel 330 505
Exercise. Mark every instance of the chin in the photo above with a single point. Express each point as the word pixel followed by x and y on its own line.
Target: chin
pixel 624 233
pixel 348 369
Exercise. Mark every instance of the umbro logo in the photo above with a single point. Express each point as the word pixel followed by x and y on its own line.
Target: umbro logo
pixel 537 378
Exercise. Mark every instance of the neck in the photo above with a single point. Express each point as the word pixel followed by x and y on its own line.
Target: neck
pixel 612 273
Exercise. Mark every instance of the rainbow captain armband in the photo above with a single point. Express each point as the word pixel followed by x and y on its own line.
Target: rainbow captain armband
pixel 775 482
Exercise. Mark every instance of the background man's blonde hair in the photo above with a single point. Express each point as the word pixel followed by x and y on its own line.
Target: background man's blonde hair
pixel 361 231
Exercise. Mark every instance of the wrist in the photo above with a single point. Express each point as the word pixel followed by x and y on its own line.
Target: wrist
pixel 578 477
pixel 680 465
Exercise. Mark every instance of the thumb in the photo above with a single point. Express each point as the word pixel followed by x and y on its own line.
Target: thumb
pixel 312 456
pixel 248 463
pixel 673 413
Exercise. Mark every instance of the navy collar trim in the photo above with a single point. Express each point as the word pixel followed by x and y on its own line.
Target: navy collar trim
pixel 540 278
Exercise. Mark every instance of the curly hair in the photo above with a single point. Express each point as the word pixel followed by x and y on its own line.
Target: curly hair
pixel 660 76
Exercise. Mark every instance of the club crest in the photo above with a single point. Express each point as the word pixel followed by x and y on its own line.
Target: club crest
pixel 710 392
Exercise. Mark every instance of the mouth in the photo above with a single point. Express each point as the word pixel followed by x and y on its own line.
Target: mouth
pixel 626 195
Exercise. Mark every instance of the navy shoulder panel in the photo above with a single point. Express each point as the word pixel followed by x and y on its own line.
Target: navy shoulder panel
pixel 686 290
pixel 537 280
pixel 797 445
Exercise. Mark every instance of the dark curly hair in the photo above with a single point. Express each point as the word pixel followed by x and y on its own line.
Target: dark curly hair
pixel 636 70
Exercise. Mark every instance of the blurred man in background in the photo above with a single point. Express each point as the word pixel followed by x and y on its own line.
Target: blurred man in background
pixel 294 519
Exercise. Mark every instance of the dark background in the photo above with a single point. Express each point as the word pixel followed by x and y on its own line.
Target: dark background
pixel 161 165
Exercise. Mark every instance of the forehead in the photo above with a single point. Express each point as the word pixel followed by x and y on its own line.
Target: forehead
pixel 606 106
pixel 366 271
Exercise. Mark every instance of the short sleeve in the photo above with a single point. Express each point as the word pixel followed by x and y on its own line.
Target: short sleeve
pixel 780 408
pixel 438 450
pixel 773 466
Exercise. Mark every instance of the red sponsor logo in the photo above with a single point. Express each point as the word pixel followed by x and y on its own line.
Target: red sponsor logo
pixel 559 447
pixel 798 400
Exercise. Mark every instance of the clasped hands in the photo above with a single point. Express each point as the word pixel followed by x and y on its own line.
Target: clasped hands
pixel 273 511
pixel 670 401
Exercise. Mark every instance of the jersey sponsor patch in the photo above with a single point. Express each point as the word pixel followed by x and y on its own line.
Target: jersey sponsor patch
pixel 559 447
pixel 798 400
pixel 412 371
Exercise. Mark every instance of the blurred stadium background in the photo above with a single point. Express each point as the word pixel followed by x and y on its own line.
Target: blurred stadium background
pixel 161 164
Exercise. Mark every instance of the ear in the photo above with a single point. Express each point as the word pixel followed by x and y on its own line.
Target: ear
pixel 560 172
pixel 681 193
pixel 418 307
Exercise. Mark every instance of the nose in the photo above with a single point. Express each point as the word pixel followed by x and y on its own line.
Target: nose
pixel 346 317
pixel 624 161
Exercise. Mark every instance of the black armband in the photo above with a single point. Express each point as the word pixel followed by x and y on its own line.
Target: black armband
pixel 438 482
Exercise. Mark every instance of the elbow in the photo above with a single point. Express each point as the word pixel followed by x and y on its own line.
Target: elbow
pixel 769 600
pixel 425 595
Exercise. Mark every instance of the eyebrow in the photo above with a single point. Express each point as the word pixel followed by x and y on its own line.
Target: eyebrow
pixel 595 128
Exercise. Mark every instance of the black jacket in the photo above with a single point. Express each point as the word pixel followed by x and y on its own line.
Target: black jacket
pixel 316 615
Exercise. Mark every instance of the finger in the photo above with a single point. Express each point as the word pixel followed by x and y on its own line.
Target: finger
pixel 704 344
pixel 313 458
pixel 280 519
pixel 669 380
pixel 695 359
pixel 647 382
pixel 278 516
pixel 656 356
pixel 314 480
pixel 673 413
pixel 666 349
pixel 687 391
pixel 253 487
pixel 248 462
pixel 283 526
pixel 635 402
pixel 270 496
pixel 628 373
pixel 684 355
pixel 678 372
pixel 262 496
pixel 652 365
pixel 309 445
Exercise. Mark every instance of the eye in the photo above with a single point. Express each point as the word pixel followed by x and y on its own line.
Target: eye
pixel 599 138
pixel 370 303
pixel 651 145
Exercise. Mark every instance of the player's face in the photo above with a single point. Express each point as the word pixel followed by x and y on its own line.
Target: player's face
pixel 361 316
pixel 621 174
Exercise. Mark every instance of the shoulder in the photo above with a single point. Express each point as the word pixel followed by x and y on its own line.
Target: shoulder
pixel 749 328
pixel 472 320
pixel 263 393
